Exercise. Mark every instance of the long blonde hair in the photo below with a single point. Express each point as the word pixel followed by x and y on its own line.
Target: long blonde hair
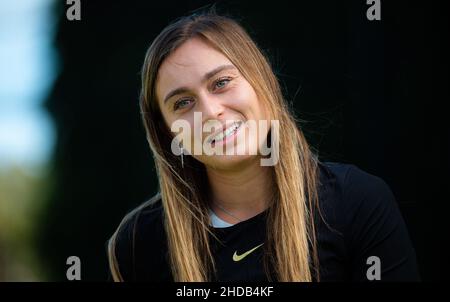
pixel 290 247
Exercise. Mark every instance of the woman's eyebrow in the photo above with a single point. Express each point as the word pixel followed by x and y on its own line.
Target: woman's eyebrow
pixel 206 77
pixel 216 70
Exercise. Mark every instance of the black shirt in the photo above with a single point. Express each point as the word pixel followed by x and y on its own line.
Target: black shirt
pixel 363 221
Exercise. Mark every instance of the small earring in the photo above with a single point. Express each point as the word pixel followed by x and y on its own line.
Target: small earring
pixel 182 160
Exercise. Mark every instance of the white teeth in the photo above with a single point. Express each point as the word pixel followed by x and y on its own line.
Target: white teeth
pixel 230 130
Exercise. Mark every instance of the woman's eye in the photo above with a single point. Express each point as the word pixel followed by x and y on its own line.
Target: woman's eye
pixel 181 104
pixel 221 83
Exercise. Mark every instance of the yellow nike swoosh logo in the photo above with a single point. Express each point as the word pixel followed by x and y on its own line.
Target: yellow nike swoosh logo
pixel 237 257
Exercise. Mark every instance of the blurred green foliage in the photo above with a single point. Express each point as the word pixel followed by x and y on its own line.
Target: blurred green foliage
pixel 22 194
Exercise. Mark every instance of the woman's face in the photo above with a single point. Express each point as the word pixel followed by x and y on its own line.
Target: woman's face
pixel 199 85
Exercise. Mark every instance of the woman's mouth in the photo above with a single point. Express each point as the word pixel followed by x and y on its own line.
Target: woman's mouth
pixel 227 135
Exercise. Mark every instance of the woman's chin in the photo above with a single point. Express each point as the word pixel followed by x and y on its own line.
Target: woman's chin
pixel 227 162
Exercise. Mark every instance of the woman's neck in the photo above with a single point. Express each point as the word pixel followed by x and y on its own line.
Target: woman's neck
pixel 240 194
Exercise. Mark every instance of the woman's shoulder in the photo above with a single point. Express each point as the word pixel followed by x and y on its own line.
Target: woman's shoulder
pixel 139 238
pixel 363 208
pixel 352 199
pixel 354 186
pixel 146 216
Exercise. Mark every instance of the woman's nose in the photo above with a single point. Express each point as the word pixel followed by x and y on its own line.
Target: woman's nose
pixel 211 108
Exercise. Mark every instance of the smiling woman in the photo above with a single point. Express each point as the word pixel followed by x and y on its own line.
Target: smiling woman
pixel 207 82
pixel 228 217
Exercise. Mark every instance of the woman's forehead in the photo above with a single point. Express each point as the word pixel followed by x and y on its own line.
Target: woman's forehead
pixel 187 65
pixel 193 56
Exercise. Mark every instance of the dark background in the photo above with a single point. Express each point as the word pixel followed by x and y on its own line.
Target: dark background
pixel 371 93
